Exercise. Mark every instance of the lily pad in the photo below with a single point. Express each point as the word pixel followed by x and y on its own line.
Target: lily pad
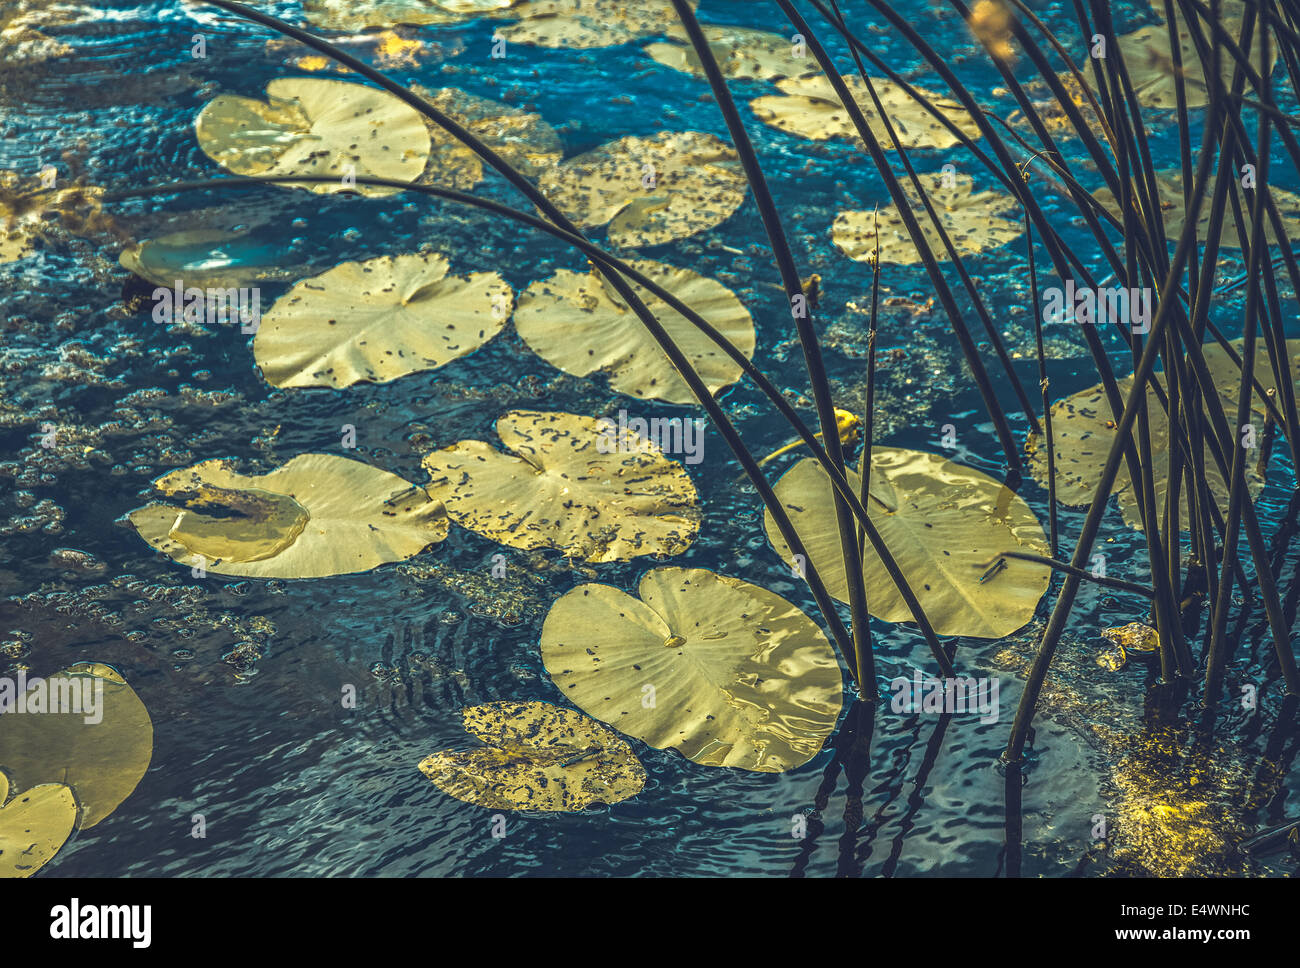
pixel 538 757
pixel 1083 430
pixel 34 826
pixel 354 15
pixel 810 108
pixel 522 138
pixel 582 24
pixel 575 321
pixel 1148 56
pixel 318 515
pixel 210 258
pixel 316 126
pixel 565 491
pixel 728 673
pixel 974 222
pixel 1173 207
pixel 101 760
pixel 378 320
pixel 650 190
pixel 741 53
pixel 944 525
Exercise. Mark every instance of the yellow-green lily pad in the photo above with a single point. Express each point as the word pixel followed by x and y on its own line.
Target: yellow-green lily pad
pixel 577 322
pixel 726 672
pixel 945 526
pixel 536 757
pixel 573 484
pixel 317 515
pixel 317 126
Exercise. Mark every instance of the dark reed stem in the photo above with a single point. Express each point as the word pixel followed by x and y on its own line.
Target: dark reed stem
pixel 864 665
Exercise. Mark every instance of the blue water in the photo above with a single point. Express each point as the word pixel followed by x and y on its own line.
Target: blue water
pixel 243 678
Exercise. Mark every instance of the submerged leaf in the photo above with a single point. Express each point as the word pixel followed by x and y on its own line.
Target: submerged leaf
pixel 581 24
pixel 210 259
pixel 944 525
pixel 34 826
pixel 102 760
pixel 26 205
pixel 523 139
pixel 359 14
pixel 576 486
pixel 538 757
pixel 973 220
pixel 810 108
pixel 1083 430
pixel 735 674
pixel 315 126
pixel 378 320
pixel 317 515
pixel 741 53
pixel 1173 206
pixel 575 321
pixel 650 190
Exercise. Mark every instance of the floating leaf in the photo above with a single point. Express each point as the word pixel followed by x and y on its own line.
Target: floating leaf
pixel 34 826
pixel 1173 207
pixel 101 760
pixel 1149 60
pixel 538 757
pixel 317 515
pixel 523 139
pixel 741 53
pixel 575 321
pixel 810 108
pixel 315 126
pixel 944 525
pixel 1083 430
pixel 581 24
pixel 567 490
pixel 650 190
pixel 378 320
pixel 973 220
pixel 734 674
pixel 210 258
pixel 359 14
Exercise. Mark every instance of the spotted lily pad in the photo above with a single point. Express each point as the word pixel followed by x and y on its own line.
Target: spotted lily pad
pixel 378 320
pixel 537 757
pixel 580 24
pixel 577 322
pixel 650 190
pixel 1083 430
pixel 1149 59
pixel 34 826
pixel 354 15
pixel 975 222
pixel 522 138
pixel 810 108
pixel 574 486
pixel 315 516
pixel 944 525
pixel 316 126
pixel 1173 207
pixel 728 673
pixel 96 738
pixel 741 53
